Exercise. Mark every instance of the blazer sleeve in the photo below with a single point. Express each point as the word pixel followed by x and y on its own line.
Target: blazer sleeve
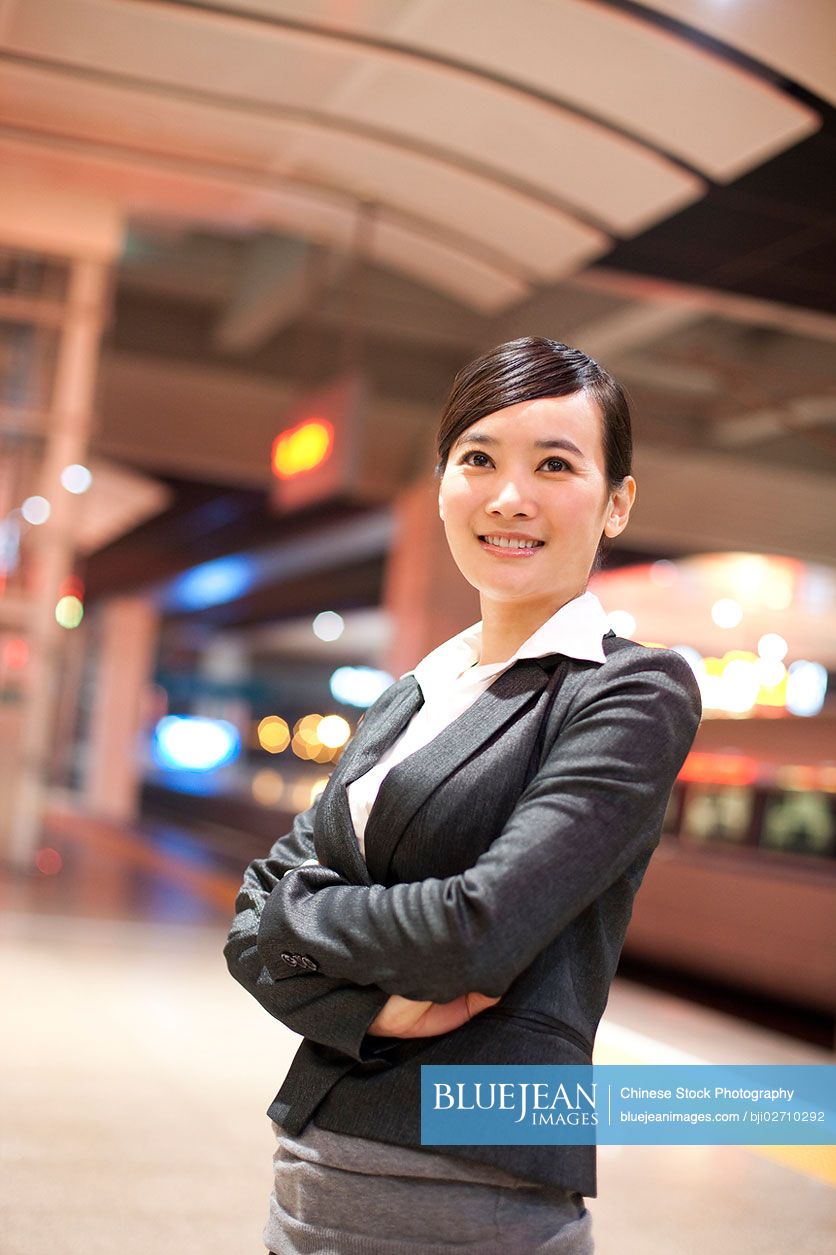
pixel 333 1012
pixel 578 826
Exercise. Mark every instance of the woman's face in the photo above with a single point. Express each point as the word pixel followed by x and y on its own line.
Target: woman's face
pixel 535 469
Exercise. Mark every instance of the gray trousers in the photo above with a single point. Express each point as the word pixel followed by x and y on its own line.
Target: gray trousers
pixel 340 1195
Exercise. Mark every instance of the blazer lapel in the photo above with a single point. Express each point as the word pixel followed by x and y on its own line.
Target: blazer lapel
pixel 335 839
pixel 409 783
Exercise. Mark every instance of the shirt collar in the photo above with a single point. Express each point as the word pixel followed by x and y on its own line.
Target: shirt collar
pixel 575 630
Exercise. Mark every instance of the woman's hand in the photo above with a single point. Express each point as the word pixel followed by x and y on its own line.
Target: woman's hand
pixel 404 1017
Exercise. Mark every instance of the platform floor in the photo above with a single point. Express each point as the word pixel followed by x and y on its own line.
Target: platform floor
pixel 135 1074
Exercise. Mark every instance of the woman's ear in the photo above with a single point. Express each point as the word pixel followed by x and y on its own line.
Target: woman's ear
pixel 440 508
pixel 620 505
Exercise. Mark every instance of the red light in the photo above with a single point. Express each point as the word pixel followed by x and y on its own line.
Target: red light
pixel 303 447
pixel 48 861
pixel 15 653
pixel 72 586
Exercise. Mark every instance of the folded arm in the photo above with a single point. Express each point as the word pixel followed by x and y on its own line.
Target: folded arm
pixel 577 828
pixel 333 1012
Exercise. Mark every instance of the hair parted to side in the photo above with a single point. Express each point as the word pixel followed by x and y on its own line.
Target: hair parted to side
pixel 532 367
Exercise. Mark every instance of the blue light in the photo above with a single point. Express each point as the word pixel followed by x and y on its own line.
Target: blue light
pixel 806 687
pixel 212 583
pixel 359 686
pixel 194 743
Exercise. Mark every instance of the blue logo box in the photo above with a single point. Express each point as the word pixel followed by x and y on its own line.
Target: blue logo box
pixel 629 1105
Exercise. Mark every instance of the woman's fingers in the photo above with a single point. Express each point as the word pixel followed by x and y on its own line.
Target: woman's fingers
pixel 405 1017
pixel 443 1017
pixel 397 1016
pixel 478 1002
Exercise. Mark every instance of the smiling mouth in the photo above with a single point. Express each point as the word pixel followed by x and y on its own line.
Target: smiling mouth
pixel 505 546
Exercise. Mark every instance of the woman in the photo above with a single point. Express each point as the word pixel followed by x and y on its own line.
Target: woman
pixel 460 891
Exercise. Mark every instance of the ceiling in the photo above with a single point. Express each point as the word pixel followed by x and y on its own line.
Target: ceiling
pixel 299 186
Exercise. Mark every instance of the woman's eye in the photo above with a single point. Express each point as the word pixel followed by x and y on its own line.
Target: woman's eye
pixel 477 453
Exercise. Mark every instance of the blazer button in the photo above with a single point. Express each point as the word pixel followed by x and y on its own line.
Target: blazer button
pixel 307 962
pixel 292 960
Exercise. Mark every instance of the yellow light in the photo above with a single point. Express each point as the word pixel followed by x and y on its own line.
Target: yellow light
pixel 300 747
pixel 267 787
pixel 303 447
pixel 333 731
pixel 300 797
pixel 273 734
pixel 69 612
pixel 316 788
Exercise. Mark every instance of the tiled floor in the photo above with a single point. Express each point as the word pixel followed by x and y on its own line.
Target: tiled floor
pixel 135 1074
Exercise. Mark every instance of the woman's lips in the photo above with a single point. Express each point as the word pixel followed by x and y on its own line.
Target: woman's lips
pixel 507 551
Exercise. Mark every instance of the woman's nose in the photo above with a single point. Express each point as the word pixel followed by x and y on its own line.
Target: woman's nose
pixel 512 496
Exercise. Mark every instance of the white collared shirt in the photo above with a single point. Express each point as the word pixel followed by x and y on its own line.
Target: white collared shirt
pixel 450 683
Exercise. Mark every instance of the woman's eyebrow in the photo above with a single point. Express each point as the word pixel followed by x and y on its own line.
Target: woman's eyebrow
pixel 556 442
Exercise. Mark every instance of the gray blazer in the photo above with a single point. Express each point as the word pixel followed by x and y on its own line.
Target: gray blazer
pixel 502 857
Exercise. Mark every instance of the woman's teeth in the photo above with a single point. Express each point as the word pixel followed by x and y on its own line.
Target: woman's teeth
pixel 503 542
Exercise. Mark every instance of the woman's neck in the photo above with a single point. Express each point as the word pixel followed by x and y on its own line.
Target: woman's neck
pixel 505 625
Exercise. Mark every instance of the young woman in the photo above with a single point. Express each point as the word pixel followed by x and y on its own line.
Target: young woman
pixel 460 890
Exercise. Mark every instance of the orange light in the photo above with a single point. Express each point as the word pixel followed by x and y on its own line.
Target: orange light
pixel 719 769
pixel 303 447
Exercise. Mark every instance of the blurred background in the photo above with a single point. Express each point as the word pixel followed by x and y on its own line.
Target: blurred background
pixel 244 248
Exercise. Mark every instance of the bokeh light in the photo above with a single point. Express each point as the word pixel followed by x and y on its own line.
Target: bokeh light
pixel 359 686
pixel 726 612
pixel 267 787
pixel 273 734
pixel 194 743
pixel 36 510
pixel 48 861
pixel 76 478
pixel 333 731
pixel 772 646
pixel 69 612
pixel 328 625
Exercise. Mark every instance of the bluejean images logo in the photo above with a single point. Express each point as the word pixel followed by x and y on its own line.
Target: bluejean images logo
pixel 629 1104
pixel 541 1102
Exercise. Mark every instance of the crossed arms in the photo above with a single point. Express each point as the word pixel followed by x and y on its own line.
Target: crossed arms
pixel 577 827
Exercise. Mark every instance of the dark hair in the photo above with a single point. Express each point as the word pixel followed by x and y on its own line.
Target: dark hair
pixel 531 367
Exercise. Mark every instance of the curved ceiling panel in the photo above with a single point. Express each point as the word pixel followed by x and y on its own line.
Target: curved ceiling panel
pixel 609 178
pixel 618 67
pixel 504 141
pixel 617 182
pixel 145 189
pixel 162 43
pixel 54 103
pixel 516 231
pixel 543 241
pixel 661 88
pixel 797 39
